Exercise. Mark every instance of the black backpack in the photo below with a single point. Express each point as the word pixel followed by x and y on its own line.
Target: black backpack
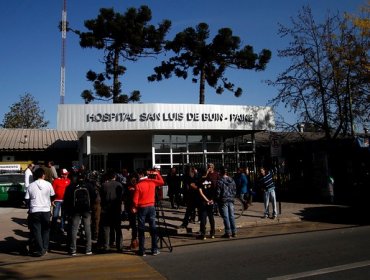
pixel 81 199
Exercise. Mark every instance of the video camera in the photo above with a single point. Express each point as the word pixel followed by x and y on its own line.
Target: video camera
pixel 152 174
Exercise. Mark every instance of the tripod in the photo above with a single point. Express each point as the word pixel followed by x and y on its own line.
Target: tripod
pixel 163 236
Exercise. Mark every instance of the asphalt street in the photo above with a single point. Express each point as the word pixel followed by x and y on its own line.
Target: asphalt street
pixel 294 218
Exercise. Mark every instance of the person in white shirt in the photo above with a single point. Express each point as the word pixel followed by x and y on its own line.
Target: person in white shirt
pixel 28 176
pixel 39 195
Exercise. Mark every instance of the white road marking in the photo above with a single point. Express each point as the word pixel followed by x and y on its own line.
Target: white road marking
pixel 322 271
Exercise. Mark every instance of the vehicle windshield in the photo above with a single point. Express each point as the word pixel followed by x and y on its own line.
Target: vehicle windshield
pixel 11 178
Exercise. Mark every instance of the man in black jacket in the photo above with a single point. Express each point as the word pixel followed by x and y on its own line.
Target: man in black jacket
pixel 111 195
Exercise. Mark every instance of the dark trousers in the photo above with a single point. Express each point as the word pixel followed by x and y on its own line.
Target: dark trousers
pixel 175 198
pixel 132 218
pixel 189 213
pixel 95 221
pixel 111 226
pixel 39 223
pixel 206 211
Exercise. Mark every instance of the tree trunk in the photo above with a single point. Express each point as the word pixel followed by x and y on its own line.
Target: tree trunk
pixel 116 86
pixel 202 87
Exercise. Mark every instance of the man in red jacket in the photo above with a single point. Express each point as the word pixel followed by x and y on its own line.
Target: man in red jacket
pixel 60 184
pixel 144 206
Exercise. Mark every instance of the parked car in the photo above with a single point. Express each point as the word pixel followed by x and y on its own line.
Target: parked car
pixel 12 187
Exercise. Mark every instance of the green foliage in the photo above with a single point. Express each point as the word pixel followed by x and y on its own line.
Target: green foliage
pixel 25 114
pixel 208 61
pixel 123 37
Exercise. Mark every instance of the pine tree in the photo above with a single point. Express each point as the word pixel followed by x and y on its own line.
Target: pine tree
pixel 207 61
pixel 123 37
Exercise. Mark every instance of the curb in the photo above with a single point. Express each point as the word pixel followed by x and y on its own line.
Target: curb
pixel 241 224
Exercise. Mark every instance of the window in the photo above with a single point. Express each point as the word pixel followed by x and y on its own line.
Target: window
pixel 162 159
pixel 195 143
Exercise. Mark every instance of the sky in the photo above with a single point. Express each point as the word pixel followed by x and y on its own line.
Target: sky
pixel 31 43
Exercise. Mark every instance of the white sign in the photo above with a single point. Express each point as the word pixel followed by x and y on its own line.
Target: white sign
pixel 10 167
pixel 275 145
pixel 95 117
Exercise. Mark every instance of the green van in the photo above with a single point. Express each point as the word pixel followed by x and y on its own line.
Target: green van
pixel 12 187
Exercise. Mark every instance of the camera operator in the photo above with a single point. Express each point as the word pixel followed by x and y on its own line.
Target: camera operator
pixel 144 206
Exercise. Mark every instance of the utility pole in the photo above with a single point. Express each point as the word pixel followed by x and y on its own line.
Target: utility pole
pixel 62 66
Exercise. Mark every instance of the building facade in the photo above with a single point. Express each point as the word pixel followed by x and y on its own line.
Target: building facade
pixel 143 135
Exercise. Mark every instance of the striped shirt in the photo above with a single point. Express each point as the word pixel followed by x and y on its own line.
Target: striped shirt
pixel 266 182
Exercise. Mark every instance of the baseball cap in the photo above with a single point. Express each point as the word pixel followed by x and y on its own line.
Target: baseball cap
pixel 64 171
pixel 156 166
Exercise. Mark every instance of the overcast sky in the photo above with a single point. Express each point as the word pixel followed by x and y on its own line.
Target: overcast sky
pixel 30 48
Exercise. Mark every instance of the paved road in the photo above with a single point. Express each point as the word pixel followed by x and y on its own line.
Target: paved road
pixel 330 254
pixel 15 264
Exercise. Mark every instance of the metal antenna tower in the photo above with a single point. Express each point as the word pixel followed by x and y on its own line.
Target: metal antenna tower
pixel 62 66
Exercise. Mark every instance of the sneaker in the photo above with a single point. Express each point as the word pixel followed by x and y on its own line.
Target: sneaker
pixel 156 253
pixel 233 235
pixel 226 235
pixel 72 253
pixel 37 254
pixel 212 236
pixel 201 237
pixel 141 254
pixel 265 217
pixel 88 253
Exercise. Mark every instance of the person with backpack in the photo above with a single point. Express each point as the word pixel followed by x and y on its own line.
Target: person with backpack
pixel 78 200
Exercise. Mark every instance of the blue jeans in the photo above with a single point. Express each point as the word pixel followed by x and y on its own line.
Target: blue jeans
pixel 147 214
pixel 39 223
pixel 268 196
pixel 75 221
pixel 227 213
pixel 58 209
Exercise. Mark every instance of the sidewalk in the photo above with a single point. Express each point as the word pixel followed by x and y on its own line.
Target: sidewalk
pixel 290 212
pixel 292 218
pixel 16 264
pixel 14 231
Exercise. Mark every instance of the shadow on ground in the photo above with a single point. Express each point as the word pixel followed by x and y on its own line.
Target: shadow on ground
pixel 336 214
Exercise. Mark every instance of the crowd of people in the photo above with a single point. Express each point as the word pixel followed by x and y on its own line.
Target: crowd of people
pixel 89 206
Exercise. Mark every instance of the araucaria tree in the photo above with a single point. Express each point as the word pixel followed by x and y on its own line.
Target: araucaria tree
pixel 327 82
pixel 208 60
pixel 123 37
pixel 25 114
